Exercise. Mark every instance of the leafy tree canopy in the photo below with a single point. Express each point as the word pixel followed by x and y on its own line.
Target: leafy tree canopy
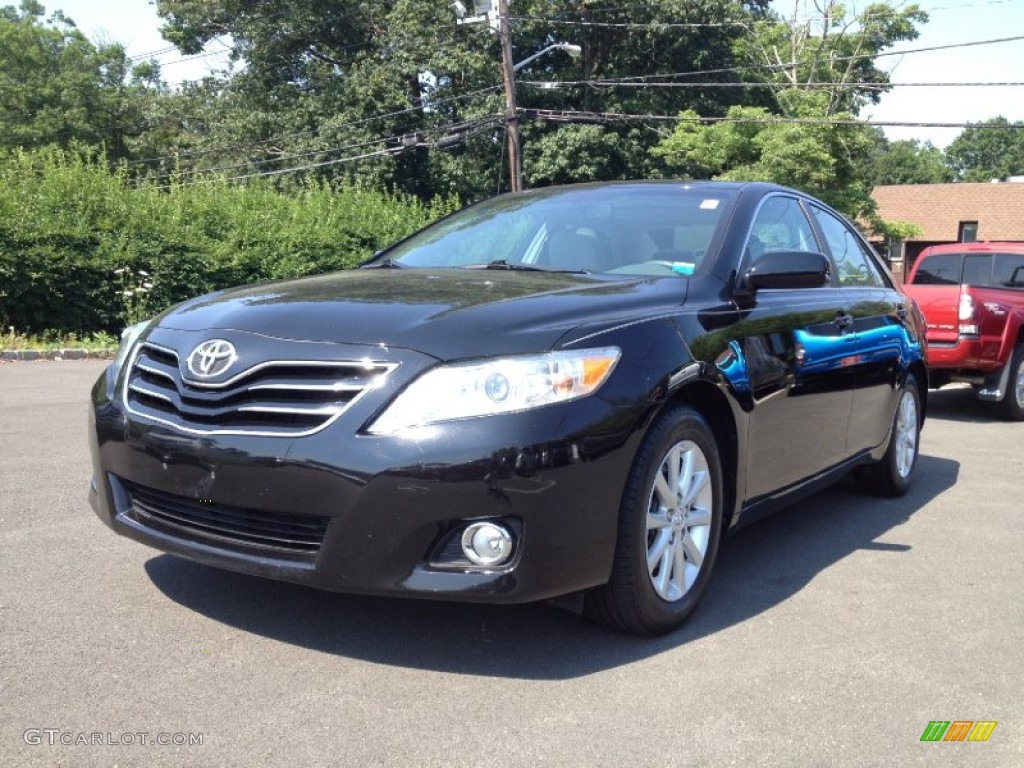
pixel 823 158
pixel 990 150
pixel 58 88
pixel 401 79
pixel 819 66
pixel 907 161
pixel 823 45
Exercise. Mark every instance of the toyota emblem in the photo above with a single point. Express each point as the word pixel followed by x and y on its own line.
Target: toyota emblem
pixel 211 358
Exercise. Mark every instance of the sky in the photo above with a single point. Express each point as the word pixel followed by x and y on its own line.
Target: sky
pixel 134 23
pixel 956 22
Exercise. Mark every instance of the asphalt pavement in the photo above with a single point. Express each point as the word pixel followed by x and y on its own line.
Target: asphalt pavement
pixel 832 634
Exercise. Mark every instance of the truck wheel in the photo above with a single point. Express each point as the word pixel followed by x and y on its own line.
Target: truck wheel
pixel 891 475
pixel 1013 400
pixel 670 523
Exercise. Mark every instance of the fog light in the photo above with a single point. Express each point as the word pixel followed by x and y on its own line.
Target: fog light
pixel 486 543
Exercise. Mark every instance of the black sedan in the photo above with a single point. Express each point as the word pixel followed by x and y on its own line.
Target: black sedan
pixel 574 389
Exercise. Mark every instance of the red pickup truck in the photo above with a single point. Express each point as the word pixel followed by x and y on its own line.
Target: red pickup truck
pixel 972 297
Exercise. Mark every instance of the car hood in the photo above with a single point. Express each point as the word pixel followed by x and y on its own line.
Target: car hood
pixel 447 314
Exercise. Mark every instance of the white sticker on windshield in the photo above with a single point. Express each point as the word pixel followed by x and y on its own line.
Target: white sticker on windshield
pixel 708 204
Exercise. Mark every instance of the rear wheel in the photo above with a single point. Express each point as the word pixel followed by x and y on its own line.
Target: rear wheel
pixel 1013 401
pixel 669 527
pixel 891 475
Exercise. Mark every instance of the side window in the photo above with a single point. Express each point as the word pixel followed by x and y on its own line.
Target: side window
pixel 941 269
pixel 1009 270
pixel 855 263
pixel 780 225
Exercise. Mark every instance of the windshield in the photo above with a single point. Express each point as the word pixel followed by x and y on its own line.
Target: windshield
pixel 658 229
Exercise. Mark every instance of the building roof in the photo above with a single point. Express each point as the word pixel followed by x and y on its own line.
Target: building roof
pixel 938 209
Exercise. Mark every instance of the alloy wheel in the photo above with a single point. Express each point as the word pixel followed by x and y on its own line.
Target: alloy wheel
pixel 906 434
pixel 679 515
pixel 1018 387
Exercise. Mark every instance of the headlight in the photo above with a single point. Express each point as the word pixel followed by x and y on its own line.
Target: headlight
pixel 504 385
pixel 129 336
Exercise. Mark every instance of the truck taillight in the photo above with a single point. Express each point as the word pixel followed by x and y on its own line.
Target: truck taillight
pixel 965 314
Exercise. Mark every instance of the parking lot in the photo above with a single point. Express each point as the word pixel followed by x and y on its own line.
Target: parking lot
pixel 831 634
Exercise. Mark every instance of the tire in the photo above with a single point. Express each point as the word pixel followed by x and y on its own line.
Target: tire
pixel 679 531
pixel 1013 401
pixel 892 474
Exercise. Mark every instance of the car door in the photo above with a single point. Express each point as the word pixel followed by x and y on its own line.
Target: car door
pixel 793 342
pixel 877 338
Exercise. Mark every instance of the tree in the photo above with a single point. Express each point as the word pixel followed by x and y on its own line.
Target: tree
pixel 993 149
pixel 823 158
pixel 906 162
pixel 819 71
pixel 401 81
pixel 627 50
pixel 822 46
pixel 59 89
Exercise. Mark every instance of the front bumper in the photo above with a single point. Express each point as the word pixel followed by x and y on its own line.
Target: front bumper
pixel 388 504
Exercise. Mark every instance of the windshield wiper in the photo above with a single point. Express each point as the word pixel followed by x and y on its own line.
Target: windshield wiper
pixel 387 263
pixel 520 267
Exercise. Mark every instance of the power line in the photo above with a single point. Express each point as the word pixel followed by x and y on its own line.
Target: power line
pixel 744 23
pixel 408 138
pixel 781 19
pixel 314 131
pixel 554 84
pixel 807 17
pixel 782 67
pixel 437 144
pixel 926 9
pixel 149 54
pixel 564 115
pixel 655 25
pixel 198 56
pixel 280 171
pixel 280 158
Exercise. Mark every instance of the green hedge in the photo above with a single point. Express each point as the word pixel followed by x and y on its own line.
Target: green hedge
pixel 68 224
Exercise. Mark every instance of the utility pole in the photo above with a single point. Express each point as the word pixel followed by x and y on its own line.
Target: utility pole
pixel 515 164
pixel 495 14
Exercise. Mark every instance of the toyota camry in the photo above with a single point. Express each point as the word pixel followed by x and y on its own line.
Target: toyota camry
pixel 576 389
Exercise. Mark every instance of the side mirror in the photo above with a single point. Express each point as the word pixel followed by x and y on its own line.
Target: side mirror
pixel 787 269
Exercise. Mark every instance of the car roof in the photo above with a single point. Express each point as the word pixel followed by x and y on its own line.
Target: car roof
pixel 979 247
pixel 735 186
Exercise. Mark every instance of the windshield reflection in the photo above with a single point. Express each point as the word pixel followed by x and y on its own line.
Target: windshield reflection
pixel 650 229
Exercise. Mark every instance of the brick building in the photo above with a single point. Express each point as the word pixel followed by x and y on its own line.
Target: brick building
pixel 950 213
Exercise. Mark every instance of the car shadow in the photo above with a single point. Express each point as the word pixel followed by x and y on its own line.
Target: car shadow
pixel 960 404
pixel 758 568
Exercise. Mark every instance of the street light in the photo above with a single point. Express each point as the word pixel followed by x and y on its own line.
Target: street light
pixel 497 17
pixel 573 50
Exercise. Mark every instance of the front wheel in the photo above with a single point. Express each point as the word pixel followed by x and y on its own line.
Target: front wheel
pixel 670 523
pixel 891 475
pixel 1013 400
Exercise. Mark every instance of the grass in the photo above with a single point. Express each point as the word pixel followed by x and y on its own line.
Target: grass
pixel 49 340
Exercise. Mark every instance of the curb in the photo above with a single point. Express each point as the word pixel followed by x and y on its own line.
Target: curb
pixel 13 355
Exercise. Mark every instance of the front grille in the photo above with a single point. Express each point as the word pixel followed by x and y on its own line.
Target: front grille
pixel 224 526
pixel 286 398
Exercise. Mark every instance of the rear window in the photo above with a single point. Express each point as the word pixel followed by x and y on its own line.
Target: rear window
pixel 978 269
pixel 940 269
pixel 985 270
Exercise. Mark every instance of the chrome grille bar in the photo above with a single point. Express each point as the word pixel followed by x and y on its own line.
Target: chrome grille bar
pixel 276 398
